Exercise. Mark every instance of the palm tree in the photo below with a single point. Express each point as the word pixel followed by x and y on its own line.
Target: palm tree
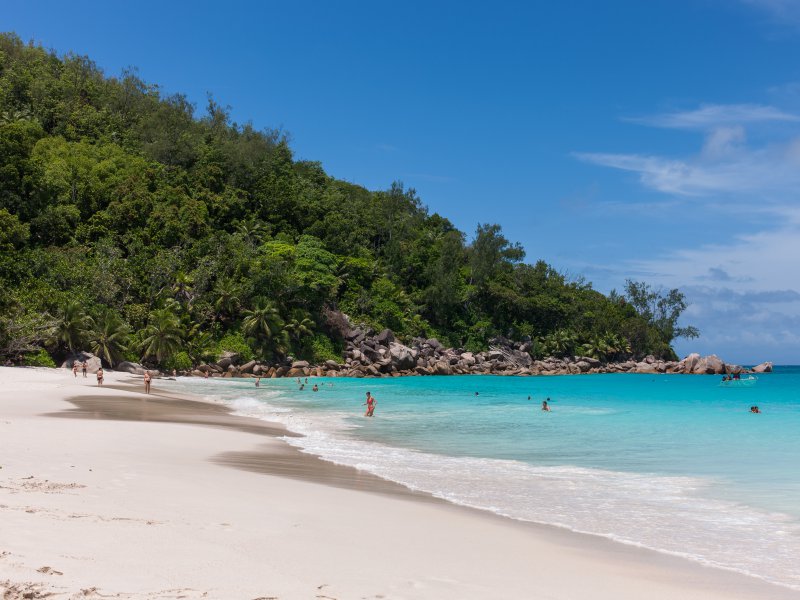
pixel 597 347
pixel 10 116
pixel 561 342
pixel 252 232
pixel 71 325
pixel 300 325
pixel 108 336
pixel 182 287
pixel 227 299
pixel 163 335
pixel 618 345
pixel 537 348
pixel 199 344
pixel 264 324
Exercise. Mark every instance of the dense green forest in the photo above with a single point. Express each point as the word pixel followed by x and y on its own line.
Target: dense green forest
pixel 132 227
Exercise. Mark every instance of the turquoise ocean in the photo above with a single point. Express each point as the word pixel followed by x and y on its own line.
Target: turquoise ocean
pixel 673 463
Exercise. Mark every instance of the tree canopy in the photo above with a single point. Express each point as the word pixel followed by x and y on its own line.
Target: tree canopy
pixel 135 227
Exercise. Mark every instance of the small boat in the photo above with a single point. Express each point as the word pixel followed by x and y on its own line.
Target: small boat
pixel 743 382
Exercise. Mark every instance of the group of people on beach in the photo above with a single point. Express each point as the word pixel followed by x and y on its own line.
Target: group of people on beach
pixel 82 365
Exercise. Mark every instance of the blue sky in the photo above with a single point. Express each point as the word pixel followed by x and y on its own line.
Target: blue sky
pixel 654 140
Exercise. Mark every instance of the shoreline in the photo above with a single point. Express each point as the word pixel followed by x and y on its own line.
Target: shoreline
pixel 543 563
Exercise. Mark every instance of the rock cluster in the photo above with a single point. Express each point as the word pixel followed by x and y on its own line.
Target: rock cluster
pixel 379 354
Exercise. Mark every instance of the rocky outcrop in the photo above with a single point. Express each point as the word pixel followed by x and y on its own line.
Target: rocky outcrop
pixel 227 359
pixel 369 353
pixel 130 367
pixel 765 367
pixel 248 367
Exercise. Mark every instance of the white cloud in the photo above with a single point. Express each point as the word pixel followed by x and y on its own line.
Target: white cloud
pixel 724 142
pixel 745 292
pixel 719 169
pixel 725 164
pixel 763 260
pixel 710 116
pixel 744 327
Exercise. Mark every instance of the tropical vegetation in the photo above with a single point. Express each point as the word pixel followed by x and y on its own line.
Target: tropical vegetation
pixel 136 227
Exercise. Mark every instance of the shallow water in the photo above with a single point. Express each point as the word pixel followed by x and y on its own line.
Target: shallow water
pixel 673 463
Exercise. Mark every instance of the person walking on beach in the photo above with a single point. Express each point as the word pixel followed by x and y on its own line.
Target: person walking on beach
pixel 84 367
pixel 75 369
pixel 99 376
pixel 147 380
pixel 546 405
pixel 370 404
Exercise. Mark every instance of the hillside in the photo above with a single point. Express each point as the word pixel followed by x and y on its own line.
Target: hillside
pixel 133 227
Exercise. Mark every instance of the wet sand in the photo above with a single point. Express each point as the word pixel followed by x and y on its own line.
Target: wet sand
pixel 282 460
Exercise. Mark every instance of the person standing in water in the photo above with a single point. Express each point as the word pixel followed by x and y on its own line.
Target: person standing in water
pixel 147 379
pixel 546 405
pixel 258 381
pixel 370 404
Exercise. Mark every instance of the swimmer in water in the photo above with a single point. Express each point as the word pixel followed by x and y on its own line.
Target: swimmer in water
pixel 546 405
pixel 370 404
pixel 755 409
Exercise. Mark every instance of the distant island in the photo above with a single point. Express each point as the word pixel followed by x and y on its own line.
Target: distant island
pixel 136 230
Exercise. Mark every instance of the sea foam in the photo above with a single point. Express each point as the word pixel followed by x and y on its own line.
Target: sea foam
pixel 677 515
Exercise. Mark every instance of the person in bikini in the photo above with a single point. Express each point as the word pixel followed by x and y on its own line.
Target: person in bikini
pixel 99 376
pixel 147 380
pixel 370 404
pixel 83 368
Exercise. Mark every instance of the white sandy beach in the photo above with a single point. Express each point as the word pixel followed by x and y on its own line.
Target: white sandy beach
pixel 147 507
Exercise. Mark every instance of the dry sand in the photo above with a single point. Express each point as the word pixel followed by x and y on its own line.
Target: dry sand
pixel 139 496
